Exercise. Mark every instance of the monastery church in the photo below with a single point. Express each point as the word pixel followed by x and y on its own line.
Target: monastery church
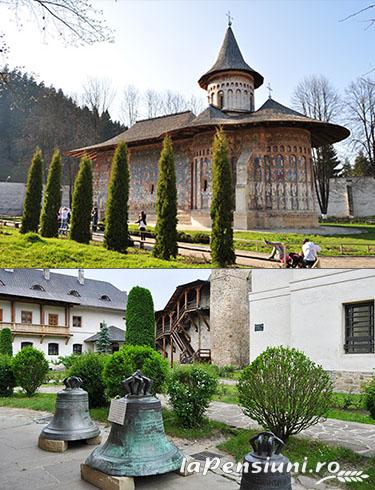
pixel 270 152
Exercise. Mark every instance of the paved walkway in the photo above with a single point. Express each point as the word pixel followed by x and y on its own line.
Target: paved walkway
pixel 24 465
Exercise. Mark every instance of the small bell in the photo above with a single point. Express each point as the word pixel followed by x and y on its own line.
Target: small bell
pixel 136 445
pixel 71 421
pixel 258 471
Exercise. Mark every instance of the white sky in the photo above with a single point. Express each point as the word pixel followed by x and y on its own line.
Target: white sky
pixel 161 282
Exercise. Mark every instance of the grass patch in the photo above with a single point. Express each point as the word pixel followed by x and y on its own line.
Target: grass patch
pixel 227 394
pixel 31 250
pixel 298 448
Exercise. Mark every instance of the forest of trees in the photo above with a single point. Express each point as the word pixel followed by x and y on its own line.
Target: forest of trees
pixel 32 114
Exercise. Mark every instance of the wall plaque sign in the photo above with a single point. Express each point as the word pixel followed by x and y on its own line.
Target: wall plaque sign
pixel 259 327
pixel 117 411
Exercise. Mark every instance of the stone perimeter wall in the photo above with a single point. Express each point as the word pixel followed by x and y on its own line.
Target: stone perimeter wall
pixel 350 381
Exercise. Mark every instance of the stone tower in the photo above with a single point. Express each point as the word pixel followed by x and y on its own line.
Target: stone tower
pixel 229 316
pixel 231 82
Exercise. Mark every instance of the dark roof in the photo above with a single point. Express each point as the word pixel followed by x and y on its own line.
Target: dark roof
pixel 179 290
pixel 20 282
pixel 146 129
pixel 115 335
pixel 230 58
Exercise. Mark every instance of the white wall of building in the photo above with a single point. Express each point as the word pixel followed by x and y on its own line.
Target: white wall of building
pixel 305 309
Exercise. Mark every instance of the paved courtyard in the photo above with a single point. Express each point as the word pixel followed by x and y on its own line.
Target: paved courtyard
pixel 24 465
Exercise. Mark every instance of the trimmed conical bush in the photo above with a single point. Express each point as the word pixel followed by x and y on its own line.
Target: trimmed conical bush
pixel 140 318
pixel 52 198
pixel 116 219
pixel 82 203
pixel 166 205
pixel 33 197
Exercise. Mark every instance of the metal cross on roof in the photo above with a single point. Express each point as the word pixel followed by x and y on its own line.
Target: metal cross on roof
pixel 230 18
pixel 270 90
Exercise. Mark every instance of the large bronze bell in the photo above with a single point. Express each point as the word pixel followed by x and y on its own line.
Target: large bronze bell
pixel 257 473
pixel 71 421
pixel 136 445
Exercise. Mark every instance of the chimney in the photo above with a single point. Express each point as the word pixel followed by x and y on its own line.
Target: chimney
pixel 81 276
pixel 47 274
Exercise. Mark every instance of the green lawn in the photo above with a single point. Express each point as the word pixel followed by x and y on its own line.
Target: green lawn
pixel 297 448
pixel 31 250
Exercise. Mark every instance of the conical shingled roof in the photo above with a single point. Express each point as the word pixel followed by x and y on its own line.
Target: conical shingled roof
pixel 230 58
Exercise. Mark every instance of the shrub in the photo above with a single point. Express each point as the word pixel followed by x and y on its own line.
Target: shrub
pixel 67 361
pixel 30 369
pixel 33 197
pixel 222 204
pixel 52 198
pixel 166 205
pixel 140 318
pixel 116 223
pixel 89 367
pixel 7 381
pixel 6 342
pixel 284 391
pixel 127 360
pixel 190 389
pixel 370 397
pixel 82 203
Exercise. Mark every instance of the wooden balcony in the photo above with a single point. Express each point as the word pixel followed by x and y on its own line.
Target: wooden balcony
pixel 27 329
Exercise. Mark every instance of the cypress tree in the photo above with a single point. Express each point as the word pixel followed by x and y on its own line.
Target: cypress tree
pixel 33 197
pixel 82 203
pixel 166 205
pixel 116 220
pixel 6 342
pixel 140 318
pixel 103 344
pixel 52 198
pixel 222 205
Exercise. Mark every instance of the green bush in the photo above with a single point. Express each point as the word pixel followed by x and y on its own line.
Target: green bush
pixel 89 367
pixel 370 397
pixel 30 369
pixel 7 380
pixel 190 389
pixel 284 391
pixel 127 360
pixel 6 342
pixel 140 318
pixel 33 197
pixel 67 361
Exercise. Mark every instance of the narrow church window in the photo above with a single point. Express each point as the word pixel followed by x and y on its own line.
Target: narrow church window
pixel 359 328
pixel 221 99
pixel 152 187
pixel 205 185
pixel 230 98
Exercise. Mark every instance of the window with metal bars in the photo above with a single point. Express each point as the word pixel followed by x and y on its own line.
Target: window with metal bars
pixel 359 328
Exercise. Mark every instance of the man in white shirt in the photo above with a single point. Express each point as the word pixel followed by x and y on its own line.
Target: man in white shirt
pixel 310 253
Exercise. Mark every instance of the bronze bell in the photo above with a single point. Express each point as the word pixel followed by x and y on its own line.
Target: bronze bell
pixel 257 473
pixel 136 445
pixel 71 421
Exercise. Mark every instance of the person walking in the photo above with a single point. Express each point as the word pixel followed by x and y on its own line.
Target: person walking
pixel 94 218
pixel 310 253
pixel 142 223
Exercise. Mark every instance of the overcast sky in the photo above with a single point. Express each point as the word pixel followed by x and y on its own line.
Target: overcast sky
pixel 170 44
pixel 161 282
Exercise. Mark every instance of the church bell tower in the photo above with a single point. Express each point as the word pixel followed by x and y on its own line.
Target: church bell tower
pixel 231 82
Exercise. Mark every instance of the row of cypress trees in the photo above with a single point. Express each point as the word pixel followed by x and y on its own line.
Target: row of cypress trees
pixel 116 235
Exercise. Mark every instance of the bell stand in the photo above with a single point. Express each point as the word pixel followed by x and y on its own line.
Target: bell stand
pixel 56 446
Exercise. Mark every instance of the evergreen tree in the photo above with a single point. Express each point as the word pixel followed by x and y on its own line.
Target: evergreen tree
pixel 82 203
pixel 116 220
pixel 33 197
pixel 166 205
pixel 52 198
pixel 140 318
pixel 6 342
pixel 347 169
pixel 362 166
pixel 222 205
pixel 325 167
pixel 103 344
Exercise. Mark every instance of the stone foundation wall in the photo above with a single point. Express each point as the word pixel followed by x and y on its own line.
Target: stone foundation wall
pixel 350 381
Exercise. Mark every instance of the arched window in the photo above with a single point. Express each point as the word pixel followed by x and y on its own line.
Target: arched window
pixel 77 349
pixel 37 287
pixel 251 102
pixel 152 188
pixel 205 185
pixel 230 98
pixel 238 98
pixel 26 344
pixel 73 292
pixel 104 297
pixel 53 349
pixel 221 99
pixel 212 98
